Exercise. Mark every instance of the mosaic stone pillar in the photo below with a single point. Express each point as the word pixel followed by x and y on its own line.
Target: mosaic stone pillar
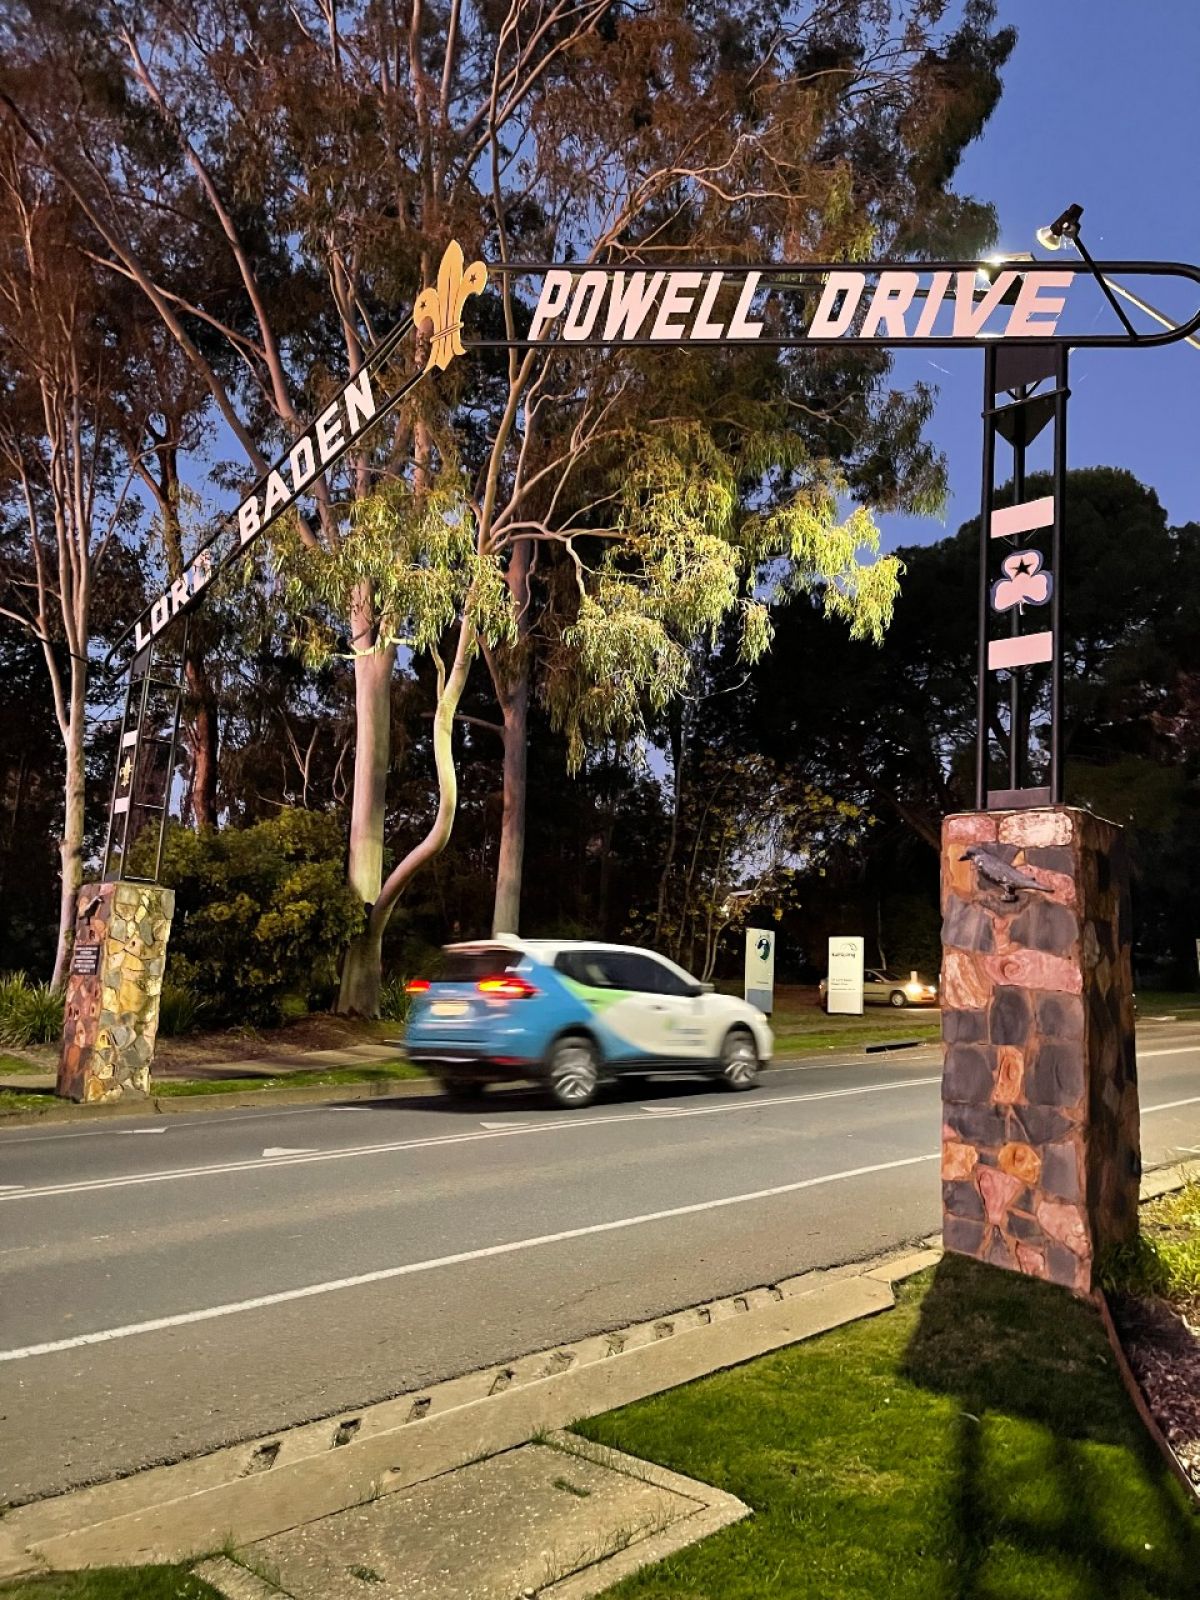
pixel 111 1014
pixel 1040 1139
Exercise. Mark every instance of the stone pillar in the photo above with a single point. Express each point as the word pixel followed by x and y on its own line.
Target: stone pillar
pixel 1040 1139
pixel 111 1014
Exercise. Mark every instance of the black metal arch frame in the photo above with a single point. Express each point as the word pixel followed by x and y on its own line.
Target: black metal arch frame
pixel 1049 353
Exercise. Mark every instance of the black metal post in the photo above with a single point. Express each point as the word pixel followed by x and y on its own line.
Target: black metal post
pixel 1016 763
pixel 985 531
pixel 171 746
pixel 1061 395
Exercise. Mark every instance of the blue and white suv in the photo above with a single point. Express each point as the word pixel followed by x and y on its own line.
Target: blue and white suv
pixel 573 1013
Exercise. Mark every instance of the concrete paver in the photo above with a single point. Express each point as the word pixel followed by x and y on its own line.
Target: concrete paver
pixel 494 1530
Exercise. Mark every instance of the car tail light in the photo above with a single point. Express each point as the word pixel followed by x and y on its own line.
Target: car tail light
pixel 417 986
pixel 508 986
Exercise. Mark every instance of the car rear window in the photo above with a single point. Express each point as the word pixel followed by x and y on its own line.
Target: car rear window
pixel 468 966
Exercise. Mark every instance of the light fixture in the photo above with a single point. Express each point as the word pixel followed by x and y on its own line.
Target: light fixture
pixel 1063 230
pixel 988 271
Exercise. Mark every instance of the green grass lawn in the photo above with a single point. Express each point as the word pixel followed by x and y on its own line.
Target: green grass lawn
pixel 111 1583
pixel 395 1070
pixel 973 1444
pixel 845 1033
pixel 1164 1002
pixel 376 1071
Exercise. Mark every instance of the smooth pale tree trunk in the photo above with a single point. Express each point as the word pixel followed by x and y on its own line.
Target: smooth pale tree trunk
pixel 506 916
pixel 512 691
pixel 362 998
pixel 359 994
pixel 71 843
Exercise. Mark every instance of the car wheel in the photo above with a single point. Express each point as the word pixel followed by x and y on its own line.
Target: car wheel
pixel 898 998
pixel 739 1060
pixel 462 1090
pixel 574 1072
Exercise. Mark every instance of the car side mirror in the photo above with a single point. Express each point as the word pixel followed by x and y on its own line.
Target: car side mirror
pixel 703 988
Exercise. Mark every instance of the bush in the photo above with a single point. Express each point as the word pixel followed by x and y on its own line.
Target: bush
pixel 179 1010
pixel 30 1013
pixel 394 1000
pixel 260 913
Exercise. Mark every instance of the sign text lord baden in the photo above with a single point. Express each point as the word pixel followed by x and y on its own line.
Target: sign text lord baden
pixel 342 422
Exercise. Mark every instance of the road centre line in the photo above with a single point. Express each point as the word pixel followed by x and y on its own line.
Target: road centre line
pixel 409 1269
pixel 257 1164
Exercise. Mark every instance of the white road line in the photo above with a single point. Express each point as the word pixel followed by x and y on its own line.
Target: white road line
pixel 409 1269
pixel 288 1150
pixel 1179 1050
pixel 128 1131
pixel 1170 1105
pixel 261 1164
pixel 495 1125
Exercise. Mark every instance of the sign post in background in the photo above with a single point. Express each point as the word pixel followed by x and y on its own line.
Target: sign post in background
pixel 844 987
pixel 760 968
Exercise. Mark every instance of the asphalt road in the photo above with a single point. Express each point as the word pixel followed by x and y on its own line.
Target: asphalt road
pixel 170 1286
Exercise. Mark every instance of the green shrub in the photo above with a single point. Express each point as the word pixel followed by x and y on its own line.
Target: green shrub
pixel 30 1013
pixel 394 1000
pixel 179 1010
pixel 260 913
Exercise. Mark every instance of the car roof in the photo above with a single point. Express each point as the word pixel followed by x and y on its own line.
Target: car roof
pixel 545 949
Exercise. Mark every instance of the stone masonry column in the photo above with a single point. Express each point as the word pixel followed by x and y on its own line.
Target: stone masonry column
pixel 111 1014
pixel 1040 1140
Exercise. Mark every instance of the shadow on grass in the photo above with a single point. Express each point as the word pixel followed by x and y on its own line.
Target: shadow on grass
pixel 1051 1479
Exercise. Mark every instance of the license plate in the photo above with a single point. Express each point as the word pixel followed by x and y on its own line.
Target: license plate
pixel 449 1008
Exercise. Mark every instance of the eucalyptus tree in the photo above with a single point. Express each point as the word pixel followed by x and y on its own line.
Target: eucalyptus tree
pixel 326 156
pixel 64 480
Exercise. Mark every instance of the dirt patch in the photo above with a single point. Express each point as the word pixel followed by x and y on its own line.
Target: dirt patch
pixel 273 1047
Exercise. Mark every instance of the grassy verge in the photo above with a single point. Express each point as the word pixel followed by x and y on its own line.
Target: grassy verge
pixel 1165 1258
pixel 792 1040
pixel 1162 1002
pixel 377 1071
pixel 974 1444
pixel 396 1070
pixel 111 1583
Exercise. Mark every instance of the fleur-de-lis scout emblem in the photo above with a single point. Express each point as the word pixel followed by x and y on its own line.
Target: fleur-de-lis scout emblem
pixel 126 772
pixel 443 306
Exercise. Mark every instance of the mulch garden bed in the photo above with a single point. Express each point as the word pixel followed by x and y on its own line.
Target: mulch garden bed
pixel 1155 1305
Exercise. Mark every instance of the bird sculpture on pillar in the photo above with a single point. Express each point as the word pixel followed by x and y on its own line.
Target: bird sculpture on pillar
pixel 994 869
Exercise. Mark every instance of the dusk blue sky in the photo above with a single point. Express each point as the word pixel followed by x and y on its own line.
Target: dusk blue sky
pixel 1101 106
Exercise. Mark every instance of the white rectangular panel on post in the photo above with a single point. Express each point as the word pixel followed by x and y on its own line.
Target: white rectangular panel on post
pixel 844 986
pixel 760 968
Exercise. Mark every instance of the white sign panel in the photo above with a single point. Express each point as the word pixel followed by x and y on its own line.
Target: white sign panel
pixel 694 306
pixel 844 991
pixel 760 968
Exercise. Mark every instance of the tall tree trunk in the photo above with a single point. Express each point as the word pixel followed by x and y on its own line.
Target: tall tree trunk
pixel 203 734
pixel 678 740
pixel 71 843
pixel 506 916
pixel 360 977
pixel 510 676
pixel 359 994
